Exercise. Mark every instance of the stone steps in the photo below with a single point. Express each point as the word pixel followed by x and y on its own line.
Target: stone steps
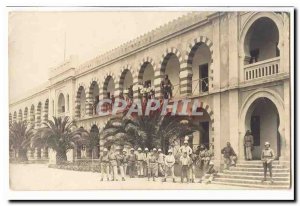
pixel 253 186
pixel 250 169
pixel 250 174
pixel 248 181
pixel 252 177
pixel 286 174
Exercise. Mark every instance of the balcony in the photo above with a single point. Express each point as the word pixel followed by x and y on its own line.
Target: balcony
pixel 200 86
pixel 261 69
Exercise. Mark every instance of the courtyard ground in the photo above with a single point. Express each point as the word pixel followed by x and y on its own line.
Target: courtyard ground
pixel 40 177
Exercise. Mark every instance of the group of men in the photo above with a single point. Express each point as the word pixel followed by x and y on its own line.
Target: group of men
pixel 153 163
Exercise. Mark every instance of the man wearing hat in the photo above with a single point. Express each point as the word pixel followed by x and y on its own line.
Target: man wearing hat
pixel 210 174
pixel 132 163
pixel 169 165
pixel 161 162
pixel 152 165
pixel 140 162
pixel 146 156
pixel 248 143
pixel 229 156
pixel 122 162
pixel 185 163
pixel 104 164
pixel 113 163
pixel 267 157
pixel 186 148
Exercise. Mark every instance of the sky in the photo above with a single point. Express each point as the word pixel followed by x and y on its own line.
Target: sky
pixel 37 41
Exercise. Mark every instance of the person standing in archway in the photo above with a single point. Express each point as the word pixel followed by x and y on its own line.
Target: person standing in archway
pixel 248 143
pixel 267 157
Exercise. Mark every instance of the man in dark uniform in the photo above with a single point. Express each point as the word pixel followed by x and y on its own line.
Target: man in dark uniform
pixel 132 163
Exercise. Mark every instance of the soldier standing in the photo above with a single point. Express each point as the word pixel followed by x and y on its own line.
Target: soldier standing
pixel 192 167
pixel 121 163
pixel 186 148
pixel 267 157
pixel 113 164
pixel 169 165
pixel 161 162
pixel 248 143
pixel 104 164
pixel 185 162
pixel 145 163
pixel 152 165
pixel 140 162
pixel 132 163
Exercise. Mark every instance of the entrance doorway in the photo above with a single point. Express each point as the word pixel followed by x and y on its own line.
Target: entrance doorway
pixel 263 120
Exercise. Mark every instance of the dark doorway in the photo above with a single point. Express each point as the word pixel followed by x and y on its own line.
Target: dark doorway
pixel 203 77
pixel 204 130
pixel 255 128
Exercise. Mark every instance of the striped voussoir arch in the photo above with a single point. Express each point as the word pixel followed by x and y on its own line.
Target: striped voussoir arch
pixel 20 115
pixel 90 98
pixel 103 87
pixel 81 87
pixel 138 78
pixel 160 72
pixel 121 78
pixel 188 61
pixel 102 141
pixel 46 111
pixel 39 115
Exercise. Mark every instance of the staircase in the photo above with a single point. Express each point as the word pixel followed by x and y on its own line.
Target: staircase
pixel 250 174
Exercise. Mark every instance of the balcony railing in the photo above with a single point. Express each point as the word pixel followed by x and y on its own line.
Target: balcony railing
pixel 200 86
pixel 262 69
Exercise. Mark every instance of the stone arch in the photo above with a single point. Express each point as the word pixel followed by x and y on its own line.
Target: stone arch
pixel 186 67
pixel 61 104
pixel 80 104
pixel 279 104
pixel 46 111
pixel 10 118
pixel 122 74
pixel 93 96
pixel 32 115
pixel 15 116
pixel 25 117
pixel 95 130
pixel 209 111
pixel 160 72
pixel 251 20
pixel 166 56
pixel 39 114
pixel 107 78
pixel 20 115
pixel 142 66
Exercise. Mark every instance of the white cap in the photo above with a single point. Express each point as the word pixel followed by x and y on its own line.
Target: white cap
pixel 169 151
pixel 159 150
pixel 267 143
pixel 185 141
pixel 211 163
pixel 154 149
pixel 186 137
pixel 118 147
pixel 124 150
pixel 131 149
pixel 104 150
pixel 146 149
pixel 139 149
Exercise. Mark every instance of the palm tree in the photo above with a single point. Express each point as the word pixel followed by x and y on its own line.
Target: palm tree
pixel 61 135
pixel 146 131
pixel 20 134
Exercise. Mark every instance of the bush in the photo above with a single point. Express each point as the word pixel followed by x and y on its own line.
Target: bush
pixel 84 165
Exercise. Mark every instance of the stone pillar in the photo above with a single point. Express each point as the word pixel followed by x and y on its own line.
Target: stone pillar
pixel 158 77
pixel 37 153
pixel 45 154
pixel 185 76
pixel 217 129
pixel 89 103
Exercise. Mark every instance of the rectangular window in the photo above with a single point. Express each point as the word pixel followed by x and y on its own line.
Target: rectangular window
pixel 203 78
